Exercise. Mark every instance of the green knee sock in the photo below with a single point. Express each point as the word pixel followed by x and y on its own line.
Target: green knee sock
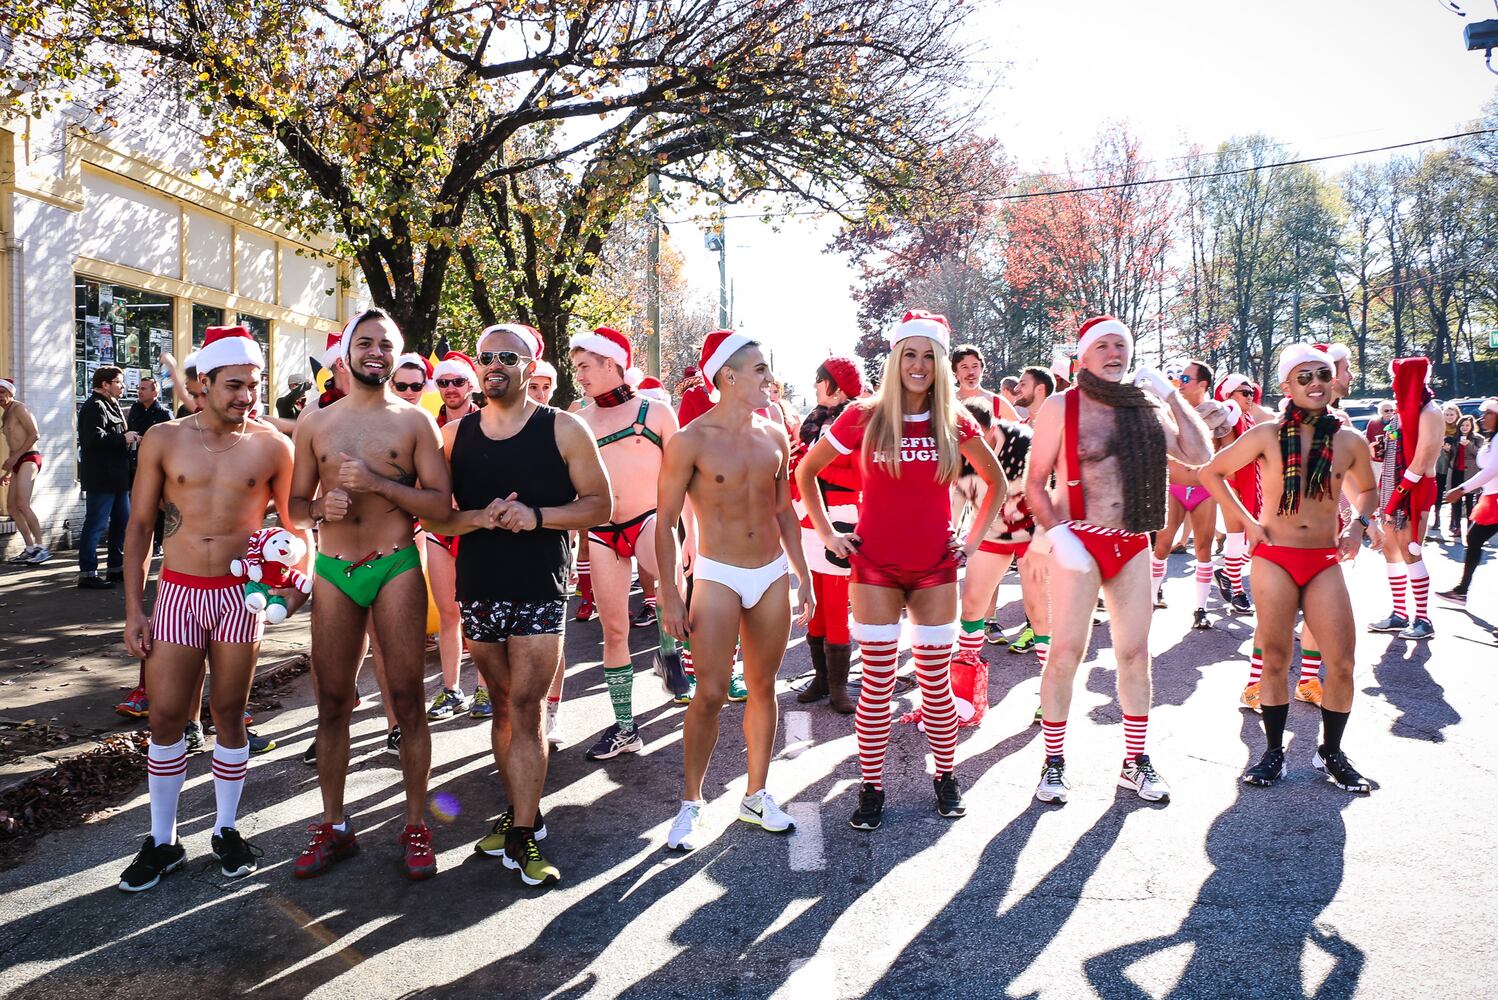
pixel 976 626
pixel 621 682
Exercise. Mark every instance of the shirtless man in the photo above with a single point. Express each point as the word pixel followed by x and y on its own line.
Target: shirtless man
pixel 1107 443
pixel 735 465
pixel 1407 492
pixel 1306 456
pixel 632 432
pixel 1247 397
pixel 214 473
pixel 967 365
pixel 19 471
pixel 364 457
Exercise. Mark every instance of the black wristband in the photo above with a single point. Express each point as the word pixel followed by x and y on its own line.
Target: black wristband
pixel 537 511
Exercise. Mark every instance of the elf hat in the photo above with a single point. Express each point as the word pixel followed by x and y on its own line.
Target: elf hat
pixel 717 348
pixel 228 345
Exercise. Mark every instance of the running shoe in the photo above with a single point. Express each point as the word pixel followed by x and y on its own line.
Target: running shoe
pixel 151 865
pixel 1140 775
pixel 393 741
pixel 685 698
pixel 1339 771
pixel 309 755
pixel 1024 642
pixel 761 810
pixel 1394 623
pixel 249 717
pixel 237 857
pixel 948 796
pixel 643 618
pixel 993 633
pixel 1160 597
pixel 40 556
pixel 1224 585
pixel 482 706
pixel 1242 604
pixel 1053 785
pixel 1039 715
pixel 494 844
pixel 1309 691
pixel 870 811
pixel 1455 595
pixel 686 827
pixel 615 741
pixel 669 667
pixel 586 611
pixel 259 744
pixel 554 732
pixel 192 736
pixel 524 855
pixel 24 556
pixel 1269 769
pixel 1250 698
pixel 736 689
pixel 136 706
pixel 1420 628
pixel 448 703
pixel 327 847
pixel 1199 619
pixel 420 861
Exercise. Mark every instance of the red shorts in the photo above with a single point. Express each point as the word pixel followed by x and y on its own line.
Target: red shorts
pixel 1303 565
pixel 448 542
pixel 871 574
pixel 193 611
pixel 1016 549
pixel 1110 548
pixel 34 457
pixel 622 538
pixel 1486 511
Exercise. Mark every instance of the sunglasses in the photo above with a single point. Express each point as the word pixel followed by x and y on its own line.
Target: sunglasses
pixel 507 358
pixel 1184 379
pixel 451 383
pixel 408 386
pixel 1318 374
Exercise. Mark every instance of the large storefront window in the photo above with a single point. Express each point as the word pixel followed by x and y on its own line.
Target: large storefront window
pixel 121 326
pixel 205 316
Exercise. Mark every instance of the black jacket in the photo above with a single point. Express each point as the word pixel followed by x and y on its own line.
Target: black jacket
pixel 142 418
pixel 103 456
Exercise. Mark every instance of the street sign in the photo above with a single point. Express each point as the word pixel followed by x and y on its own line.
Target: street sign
pixel 1493 339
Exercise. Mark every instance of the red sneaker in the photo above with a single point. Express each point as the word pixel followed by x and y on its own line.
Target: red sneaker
pixel 420 861
pixel 137 706
pixel 327 847
pixel 585 611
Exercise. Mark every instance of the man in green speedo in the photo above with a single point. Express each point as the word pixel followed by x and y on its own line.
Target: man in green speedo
pixel 357 465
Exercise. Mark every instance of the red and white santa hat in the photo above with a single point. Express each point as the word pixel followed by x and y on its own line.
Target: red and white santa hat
pixel 413 360
pixel 652 387
pixel 1232 382
pixel 456 364
pixel 607 342
pixel 228 345
pixel 340 341
pixel 1295 355
pixel 544 369
pixel 1337 352
pixel 8 384
pixel 1098 327
pixel 719 346
pixel 920 323
pixel 528 335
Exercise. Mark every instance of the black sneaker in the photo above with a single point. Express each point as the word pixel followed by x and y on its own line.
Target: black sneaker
pixel 393 741
pixel 644 618
pixel 1241 604
pixel 151 864
pixel 93 581
pixel 1394 623
pixel 309 755
pixel 192 737
pixel 1224 585
pixel 1199 619
pixel 870 811
pixel 1453 596
pixel 1339 769
pixel 1160 597
pixel 615 741
pixel 237 857
pixel 948 796
pixel 260 744
pixel 1269 769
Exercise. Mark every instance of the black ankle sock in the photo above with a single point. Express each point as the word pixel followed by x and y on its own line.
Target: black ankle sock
pixel 1274 725
pixel 1333 724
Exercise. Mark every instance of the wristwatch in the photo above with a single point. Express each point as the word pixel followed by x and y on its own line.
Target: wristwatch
pixel 1363 520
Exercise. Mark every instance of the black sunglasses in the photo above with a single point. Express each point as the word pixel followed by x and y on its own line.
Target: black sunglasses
pixel 507 358
pixel 408 386
pixel 449 383
pixel 1319 374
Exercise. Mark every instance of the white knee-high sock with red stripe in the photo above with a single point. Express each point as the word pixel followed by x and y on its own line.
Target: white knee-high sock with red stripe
pixel 879 648
pixel 1136 728
pixel 1256 666
pixel 1157 575
pixel 1420 589
pixel 229 767
pixel 1234 555
pixel 166 770
pixel 1203 583
pixel 933 661
pixel 1397 578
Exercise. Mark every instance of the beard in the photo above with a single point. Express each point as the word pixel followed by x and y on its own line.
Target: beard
pixel 373 381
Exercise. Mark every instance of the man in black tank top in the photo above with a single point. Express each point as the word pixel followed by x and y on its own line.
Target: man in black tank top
pixel 523 476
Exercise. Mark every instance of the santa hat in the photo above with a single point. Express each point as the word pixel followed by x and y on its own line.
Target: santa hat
pixel 6 383
pixel 413 360
pixel 528 335
pixel 606 343
pixel 1295 355
pixel 1098 327
pixel 1337 352
pixel 456 363
pixel 228 345
pixel 1232 382
pixel 545 370
pixel 719 346
pixel 920 323
pixel 339 341
pixel 653 388
pixel 1410 396
pixel 190 363
pixel 845 376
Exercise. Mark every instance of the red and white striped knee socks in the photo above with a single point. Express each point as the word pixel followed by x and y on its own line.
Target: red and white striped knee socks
pixel 970 639
pixel 879 648
pixel 1136 728
pixel 1310 665
pixel 933 659
pixel 1397 578
pixel 1256 666
pixel 1420 589
pixel 1055 737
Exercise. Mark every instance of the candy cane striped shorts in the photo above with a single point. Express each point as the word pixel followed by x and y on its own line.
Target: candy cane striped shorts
pixel 193 611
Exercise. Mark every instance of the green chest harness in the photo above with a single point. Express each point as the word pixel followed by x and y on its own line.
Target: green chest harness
pixel 636 429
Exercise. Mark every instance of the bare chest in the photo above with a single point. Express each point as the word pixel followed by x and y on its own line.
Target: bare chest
pixel 193 475
pixel 738 466
pixel 386 449
pixel 1095 429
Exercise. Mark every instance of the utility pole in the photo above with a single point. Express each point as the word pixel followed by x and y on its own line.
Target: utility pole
pixel 653 281
pixel 722 270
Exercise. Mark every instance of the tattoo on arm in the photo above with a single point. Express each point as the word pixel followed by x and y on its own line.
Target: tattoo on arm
pixel 402 476
pixel 172 519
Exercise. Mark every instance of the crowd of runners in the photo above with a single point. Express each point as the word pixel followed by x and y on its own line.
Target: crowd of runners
pixel 886 513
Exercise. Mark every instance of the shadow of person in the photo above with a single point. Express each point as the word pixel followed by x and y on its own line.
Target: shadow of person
pixel 1402 678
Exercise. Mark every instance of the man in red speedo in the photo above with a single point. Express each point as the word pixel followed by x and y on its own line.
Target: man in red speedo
pixel 1295 546
pixel 1107 442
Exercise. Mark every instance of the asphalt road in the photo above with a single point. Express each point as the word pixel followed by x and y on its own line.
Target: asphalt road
pixel 1296 891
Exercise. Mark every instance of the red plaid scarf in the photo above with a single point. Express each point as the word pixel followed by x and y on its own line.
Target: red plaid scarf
pixel 1318 479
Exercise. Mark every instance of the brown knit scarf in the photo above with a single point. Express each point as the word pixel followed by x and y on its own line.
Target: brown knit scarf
pixel 1139 444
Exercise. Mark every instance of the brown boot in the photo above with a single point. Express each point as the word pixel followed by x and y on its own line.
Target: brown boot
pixel 816 689
pixel 838 655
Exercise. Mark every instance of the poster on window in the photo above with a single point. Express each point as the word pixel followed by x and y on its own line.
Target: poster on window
pixel 106 345
pixel 132 381
pixel 129 352
pixel 80 379
pixel 91 338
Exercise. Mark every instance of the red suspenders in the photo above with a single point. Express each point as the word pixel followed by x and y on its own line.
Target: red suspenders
pixel 1076 505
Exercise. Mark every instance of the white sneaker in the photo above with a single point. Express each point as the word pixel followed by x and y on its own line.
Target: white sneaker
pixel 1053 785
pixel 41 555
pixel 761 810
pixel 688 824
pixel 1140 775
pixel 554 733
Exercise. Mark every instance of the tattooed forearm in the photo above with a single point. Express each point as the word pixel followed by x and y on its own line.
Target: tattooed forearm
pixel 171 518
